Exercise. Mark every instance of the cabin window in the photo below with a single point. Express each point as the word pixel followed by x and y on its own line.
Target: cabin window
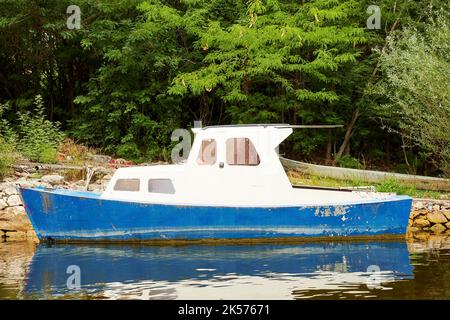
pixel 127 185
pixel 207 155
pixel 241 152
pixel 161 186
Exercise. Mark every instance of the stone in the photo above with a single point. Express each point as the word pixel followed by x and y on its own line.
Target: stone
pixel 7 225
pixel 413 229
pixel 3 204
pixel 421 235
pixel 95 188
pixel 424 217
pixel 421 223
pixel 447 225
pixel 77 187
pixel 436 207
pixel 415 246
pixel 45 185
pixel 436 217
pixel 436 241
pixel 53 179
pixel 438 228
pixel 418 205
pixel 81 183
pixel 31 235
pixel 23 174
pixel 14 200
pixel 20 235
pixel 31 183
pixel 107 176
pixel 21 180
pixel 7 214
pixel 18 211
pixel 16 235
pixel 100 158
pixel 446 213
pixel 417 213
pixel 15 218
pixel 6 185
pixel 10 191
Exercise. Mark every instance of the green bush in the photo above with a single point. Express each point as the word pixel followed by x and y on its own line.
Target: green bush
pixel 39 138
pixel 7 156
pixel 349 162
pixel 7 133
pixel 8 153
pixel 415 66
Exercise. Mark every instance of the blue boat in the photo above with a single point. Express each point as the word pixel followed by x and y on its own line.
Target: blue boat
pixel 232 186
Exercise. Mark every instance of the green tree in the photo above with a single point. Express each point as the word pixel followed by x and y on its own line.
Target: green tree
pixel 126 107
pixel 137 69
pixel 415 85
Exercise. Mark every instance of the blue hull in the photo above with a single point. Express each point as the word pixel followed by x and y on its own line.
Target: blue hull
pixel 84 216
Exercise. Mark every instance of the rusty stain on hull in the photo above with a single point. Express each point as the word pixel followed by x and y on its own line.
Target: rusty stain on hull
pixel 46 202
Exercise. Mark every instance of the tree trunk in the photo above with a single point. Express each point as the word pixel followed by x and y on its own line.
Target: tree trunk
pixel 348 133
pixel 357 113
pixel 347 149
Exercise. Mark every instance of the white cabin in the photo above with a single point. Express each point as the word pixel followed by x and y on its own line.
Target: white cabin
pixel 232 166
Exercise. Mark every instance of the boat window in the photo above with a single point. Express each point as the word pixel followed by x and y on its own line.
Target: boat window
pixel 127 185
pixel 207 155
pixel 161 186
pixel 241 152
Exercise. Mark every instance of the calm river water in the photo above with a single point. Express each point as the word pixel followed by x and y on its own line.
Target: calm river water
pixel 332 270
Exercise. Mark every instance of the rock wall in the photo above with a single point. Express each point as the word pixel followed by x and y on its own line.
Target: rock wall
pixel 429 216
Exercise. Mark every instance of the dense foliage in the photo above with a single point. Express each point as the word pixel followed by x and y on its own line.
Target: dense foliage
pixel 136 70
pixel 416 84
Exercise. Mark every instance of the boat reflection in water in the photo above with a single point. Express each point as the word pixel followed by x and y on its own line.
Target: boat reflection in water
pixel 218 272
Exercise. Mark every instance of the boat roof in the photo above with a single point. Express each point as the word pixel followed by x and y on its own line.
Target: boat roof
pixel 255 125
pixel 265 126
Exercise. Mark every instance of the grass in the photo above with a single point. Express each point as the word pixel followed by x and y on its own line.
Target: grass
pixel 388 185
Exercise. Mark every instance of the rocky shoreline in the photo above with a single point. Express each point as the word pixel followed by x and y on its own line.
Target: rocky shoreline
pixel 428 216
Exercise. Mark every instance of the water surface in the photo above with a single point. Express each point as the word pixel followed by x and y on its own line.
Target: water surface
pixel 325 270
